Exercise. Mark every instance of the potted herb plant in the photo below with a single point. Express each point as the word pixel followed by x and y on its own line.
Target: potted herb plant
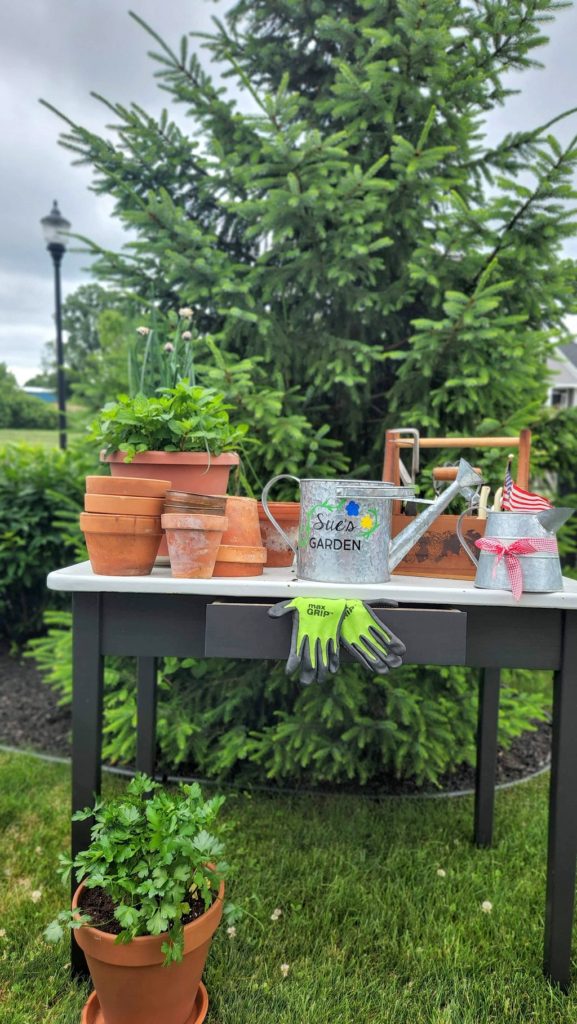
pixel 150 897
pixel 168 425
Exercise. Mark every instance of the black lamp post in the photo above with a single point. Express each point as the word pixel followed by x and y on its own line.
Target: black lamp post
pixel 55 227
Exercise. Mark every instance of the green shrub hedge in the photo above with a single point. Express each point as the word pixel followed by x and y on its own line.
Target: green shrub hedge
pixel 40 497
pixel 19 410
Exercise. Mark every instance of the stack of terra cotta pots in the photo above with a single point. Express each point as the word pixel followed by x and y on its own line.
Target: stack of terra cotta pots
pixel 241 552
pixel 121 524
pixel 194 526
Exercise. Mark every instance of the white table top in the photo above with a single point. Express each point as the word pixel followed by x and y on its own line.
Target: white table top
pixel 282 583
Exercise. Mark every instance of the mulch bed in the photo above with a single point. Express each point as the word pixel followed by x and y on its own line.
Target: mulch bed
pixel 31 719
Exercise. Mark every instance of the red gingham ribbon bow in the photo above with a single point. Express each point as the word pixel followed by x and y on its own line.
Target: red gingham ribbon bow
pixel 523 546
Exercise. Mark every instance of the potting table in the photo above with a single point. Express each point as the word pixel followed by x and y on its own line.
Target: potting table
pixel 444 622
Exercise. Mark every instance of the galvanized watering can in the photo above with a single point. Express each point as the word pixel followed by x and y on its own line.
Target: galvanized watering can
pixel 519 551
pixel 345 525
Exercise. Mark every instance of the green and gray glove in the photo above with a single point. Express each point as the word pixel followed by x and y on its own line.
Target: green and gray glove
pixel 368 640
pixel 315 635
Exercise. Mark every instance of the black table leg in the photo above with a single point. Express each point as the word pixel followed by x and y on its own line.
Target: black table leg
pixel 562 847
pixel 487 726
pixel 146 711
pixel 86 725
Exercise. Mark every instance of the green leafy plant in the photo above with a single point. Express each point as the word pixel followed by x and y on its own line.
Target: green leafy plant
pixel 183 418
pixel 152 853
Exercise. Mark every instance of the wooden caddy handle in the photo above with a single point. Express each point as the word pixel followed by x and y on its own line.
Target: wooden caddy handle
pixel 449 472
pixel 394 443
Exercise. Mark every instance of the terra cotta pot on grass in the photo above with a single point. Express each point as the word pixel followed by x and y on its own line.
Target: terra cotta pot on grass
pixel 121 545
pixel 133 986
pixel 193 543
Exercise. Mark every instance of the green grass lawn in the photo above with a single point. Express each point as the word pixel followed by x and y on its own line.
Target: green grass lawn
pixel 371 931
pixel 46 438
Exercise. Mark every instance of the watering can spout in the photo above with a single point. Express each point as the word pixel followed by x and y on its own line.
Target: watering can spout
pixel 466 481
pixel 552 519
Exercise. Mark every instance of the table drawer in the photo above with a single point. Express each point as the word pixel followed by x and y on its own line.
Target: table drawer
pixel 433 636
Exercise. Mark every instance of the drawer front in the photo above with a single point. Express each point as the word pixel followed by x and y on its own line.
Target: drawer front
pixel 433 636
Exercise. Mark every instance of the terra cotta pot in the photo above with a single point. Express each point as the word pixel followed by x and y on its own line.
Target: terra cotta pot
pixel 239 560
pixel 193 543
pixel 137 487
pixel 121 545
pixel 287 514
pixel 123 505
pixel 132 985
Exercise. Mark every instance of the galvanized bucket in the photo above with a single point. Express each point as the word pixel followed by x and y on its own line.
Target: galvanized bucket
pixel 344 528
pixel 540 569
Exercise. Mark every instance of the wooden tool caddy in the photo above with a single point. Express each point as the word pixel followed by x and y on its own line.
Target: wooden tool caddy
pixel 438 552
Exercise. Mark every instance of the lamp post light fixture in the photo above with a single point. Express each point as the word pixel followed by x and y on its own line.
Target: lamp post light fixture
pixel 55 227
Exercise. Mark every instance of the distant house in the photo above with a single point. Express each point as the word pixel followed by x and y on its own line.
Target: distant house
pixel 45 394
pixel 562 393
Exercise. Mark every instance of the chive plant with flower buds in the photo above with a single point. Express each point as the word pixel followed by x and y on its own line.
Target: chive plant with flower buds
pixel 155 361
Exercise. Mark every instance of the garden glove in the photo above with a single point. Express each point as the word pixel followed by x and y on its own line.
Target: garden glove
pixel 315 635
pixel 368 640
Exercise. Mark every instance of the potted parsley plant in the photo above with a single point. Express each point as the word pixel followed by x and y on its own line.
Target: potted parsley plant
pixel 150 896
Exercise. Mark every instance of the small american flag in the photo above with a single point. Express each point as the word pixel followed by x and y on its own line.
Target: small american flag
pixel 515 499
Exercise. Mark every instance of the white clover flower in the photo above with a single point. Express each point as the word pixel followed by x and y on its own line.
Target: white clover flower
pixel 186 335
pixel 486 906
pixel 169 347
pixel 38 850
pixel 231 932
pixel 441 873
pixel 36 895
pixel 284 969
pixel 186 312
pixel 277 912
pixel 2 933
pixel 143 331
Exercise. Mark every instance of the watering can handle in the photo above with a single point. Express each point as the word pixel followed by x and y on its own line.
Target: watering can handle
pixel 267 511
pixel 464 544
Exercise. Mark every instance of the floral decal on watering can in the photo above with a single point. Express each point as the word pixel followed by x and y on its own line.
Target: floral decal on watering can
pixel 348 519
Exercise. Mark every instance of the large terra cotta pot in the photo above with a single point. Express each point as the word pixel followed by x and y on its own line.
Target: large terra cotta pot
pixel 187 471
pixel 132 985
pixel 121 545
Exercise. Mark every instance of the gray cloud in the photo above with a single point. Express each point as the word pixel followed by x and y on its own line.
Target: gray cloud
pixel 62 51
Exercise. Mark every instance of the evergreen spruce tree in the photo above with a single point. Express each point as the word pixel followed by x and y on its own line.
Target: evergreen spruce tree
pixel 354 232
pixel 359 257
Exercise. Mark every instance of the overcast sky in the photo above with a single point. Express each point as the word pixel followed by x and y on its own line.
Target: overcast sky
pixel 61 51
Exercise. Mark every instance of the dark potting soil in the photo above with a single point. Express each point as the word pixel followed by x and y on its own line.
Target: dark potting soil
pixel 99 905
pixel 31 719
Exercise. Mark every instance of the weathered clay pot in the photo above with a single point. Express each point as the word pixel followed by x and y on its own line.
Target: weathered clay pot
pixel 132 985
pixel 243 525
pixel 92 1014
pixel 287 514
pixel 138 487
pixel 193 543
pixel 187 471
pixel 122 505
pixel 239 560
pixel 121 545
